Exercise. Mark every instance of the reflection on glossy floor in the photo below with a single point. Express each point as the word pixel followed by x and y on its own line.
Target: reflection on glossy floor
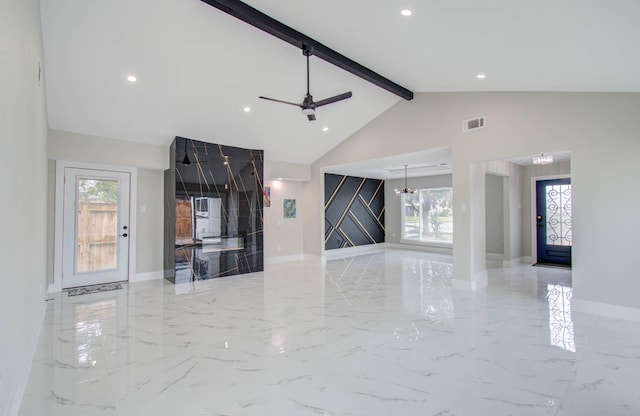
pixel 379 334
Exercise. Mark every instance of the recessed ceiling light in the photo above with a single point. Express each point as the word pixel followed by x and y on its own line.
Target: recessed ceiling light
pixel 325 128
pixel 247 109
pixel 406 12
pixel 481 76
pixel 131 78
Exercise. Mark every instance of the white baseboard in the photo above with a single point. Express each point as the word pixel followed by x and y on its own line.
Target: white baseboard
pixel 495 256
pixel 606 309
pixel 283 259
pixel 55 287
pixel 426 248
pixel 480 280
pixel 353 251
pixel 528 260
pixel 14 407
pixel 143 277
pixel 507 264
pixel 311 257
pixel 461 284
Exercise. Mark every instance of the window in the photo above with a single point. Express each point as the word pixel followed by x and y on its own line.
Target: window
pixel 428 216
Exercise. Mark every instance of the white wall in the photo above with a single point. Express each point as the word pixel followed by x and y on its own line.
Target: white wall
pixel 283 237
pixel 510 174
pixel 286 171
pixel 150 221
pixel 495 214
pixel 513 214
pixel 66 145
pixel 598 128
pixel 23 166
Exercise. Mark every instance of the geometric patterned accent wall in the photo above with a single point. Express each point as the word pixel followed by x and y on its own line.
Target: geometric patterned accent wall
pixel 353 211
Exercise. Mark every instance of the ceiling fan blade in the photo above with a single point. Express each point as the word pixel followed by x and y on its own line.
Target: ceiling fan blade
pixel 280 101
pixel 333 99
pixel 311 117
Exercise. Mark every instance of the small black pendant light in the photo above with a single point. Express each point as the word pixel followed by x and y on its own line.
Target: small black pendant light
pixel 406 189
pixel 186 160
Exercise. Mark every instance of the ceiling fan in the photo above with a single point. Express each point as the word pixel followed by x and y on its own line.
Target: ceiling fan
pixel 309 106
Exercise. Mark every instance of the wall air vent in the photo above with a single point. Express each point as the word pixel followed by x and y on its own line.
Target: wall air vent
pixel 473 123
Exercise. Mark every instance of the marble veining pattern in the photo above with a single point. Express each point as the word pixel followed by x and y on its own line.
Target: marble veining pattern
pixel 377 334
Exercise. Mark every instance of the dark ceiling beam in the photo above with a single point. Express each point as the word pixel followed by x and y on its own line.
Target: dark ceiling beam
pixel 268 24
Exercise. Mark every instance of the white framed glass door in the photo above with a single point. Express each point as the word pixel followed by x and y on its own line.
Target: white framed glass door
pixel 95 237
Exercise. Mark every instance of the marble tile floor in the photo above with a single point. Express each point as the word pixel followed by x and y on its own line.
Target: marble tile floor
pixel 376 334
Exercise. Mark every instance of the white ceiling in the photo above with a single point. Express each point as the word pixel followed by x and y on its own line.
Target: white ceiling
pixel 426 163
pixel 198 67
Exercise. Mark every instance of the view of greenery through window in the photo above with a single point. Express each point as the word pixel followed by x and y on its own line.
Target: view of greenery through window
pixel 100 191
pixel 428 215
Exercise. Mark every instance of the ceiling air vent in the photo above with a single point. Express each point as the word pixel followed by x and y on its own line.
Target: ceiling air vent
pixel 473 123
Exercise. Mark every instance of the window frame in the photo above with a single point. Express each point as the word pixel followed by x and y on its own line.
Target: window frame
pixel 432 243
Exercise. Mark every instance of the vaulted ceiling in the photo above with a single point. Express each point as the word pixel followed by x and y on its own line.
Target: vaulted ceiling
pixel 197 68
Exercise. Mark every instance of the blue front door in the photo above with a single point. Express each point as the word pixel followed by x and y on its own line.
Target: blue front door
pixel 553 221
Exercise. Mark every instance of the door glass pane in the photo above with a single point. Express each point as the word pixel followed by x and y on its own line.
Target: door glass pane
pixel 97 224
pixel 558 207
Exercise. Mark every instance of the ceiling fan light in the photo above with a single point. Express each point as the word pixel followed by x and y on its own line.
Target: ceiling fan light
pixel 308 111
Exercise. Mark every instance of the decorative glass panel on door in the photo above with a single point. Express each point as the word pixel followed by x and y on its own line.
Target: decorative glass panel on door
pixel 97 225
pixel 558 207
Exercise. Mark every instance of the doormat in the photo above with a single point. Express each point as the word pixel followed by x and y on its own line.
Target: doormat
pixel 553 265
pixel 84 290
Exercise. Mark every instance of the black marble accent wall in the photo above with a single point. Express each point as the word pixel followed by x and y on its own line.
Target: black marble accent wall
pixel 213 212
pixel 353 211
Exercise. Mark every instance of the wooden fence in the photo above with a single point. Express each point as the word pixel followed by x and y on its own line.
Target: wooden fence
pixel 97 233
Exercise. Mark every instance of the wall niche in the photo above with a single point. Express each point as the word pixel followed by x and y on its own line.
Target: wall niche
pixel 213 211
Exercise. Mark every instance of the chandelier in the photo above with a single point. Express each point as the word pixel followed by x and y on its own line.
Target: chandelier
pixel 543 159
pixel 406 189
